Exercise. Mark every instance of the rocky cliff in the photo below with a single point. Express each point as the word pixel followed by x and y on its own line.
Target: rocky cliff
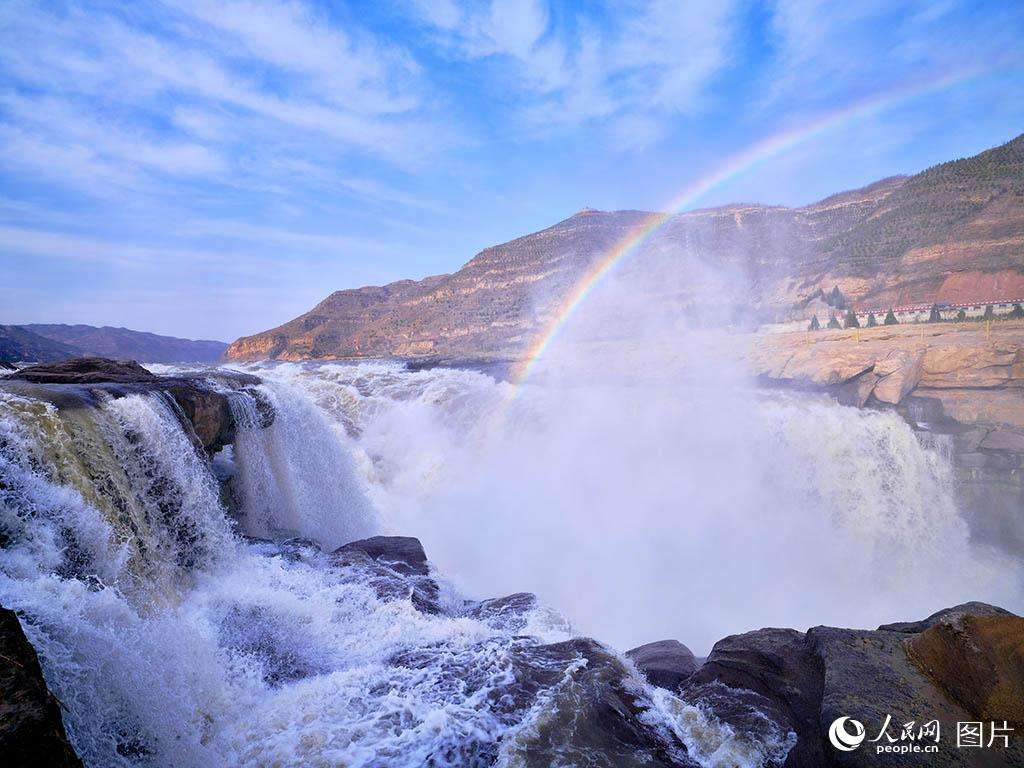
pixel 951 231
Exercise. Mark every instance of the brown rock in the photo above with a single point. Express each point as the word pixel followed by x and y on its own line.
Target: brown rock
pixel 829 366
pixel 900 372
pixel 31 730
pixel 978 661
pixel 964 663
pixel 85 370
pixel 974 366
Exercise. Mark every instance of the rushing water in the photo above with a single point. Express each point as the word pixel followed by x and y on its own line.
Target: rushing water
pixel 179 630
pixel 654 507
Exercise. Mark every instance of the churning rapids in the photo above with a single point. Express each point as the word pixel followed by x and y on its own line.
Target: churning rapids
pixel 184 617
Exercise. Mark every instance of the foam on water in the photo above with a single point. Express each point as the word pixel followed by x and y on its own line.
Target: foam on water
pixel 662 507
pixel 172 642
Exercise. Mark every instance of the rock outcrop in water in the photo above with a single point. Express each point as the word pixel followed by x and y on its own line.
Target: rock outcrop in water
pixel 31 730
pixel 962 664
pixel 206 408
pixel 86 370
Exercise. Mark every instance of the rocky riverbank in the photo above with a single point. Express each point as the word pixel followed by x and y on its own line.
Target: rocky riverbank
pixel 777 687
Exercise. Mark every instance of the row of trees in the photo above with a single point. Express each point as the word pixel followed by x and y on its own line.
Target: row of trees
pixel 935 316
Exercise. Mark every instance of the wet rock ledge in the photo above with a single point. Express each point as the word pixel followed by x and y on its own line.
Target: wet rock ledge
pixel 31 730
pixel 205 407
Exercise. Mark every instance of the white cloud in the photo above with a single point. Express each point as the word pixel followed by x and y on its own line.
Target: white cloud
pixel 825 49
pixel 643 63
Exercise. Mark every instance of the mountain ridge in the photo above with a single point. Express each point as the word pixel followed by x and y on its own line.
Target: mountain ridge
pixel 894 241
pixel 44 342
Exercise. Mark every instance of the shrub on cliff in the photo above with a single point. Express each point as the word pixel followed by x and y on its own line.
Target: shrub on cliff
pixel 851 320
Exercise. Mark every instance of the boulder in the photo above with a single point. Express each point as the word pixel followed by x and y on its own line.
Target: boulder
pixel 665 663
pixel 900 372
pixel 828 367
pixel 32 733
pixel 868 677
pixel 973 608
pixel 395 566
pixel 961 664
pixel 85 370
pixel 856 392
pixel 596 714
pixel 770 677
pixel 509 613
pixel 208 412
pixel 403 553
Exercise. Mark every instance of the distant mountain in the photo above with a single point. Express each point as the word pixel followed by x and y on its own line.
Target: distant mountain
pixel 951 230
pixel 19 344
pixel 124 344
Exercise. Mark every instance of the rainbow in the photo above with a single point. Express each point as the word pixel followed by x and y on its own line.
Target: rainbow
pixel 733 167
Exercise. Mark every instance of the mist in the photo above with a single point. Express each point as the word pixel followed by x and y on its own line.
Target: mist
pixel 641 484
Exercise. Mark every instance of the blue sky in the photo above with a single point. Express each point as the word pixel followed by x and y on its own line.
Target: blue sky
pixel 210 168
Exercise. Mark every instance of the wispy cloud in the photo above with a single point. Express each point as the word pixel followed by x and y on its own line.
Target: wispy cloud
pixel 825 50
pixel 635 67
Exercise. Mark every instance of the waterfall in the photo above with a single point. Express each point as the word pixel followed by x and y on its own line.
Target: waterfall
pixel 650 505
pixel 296 477
pixel 174 641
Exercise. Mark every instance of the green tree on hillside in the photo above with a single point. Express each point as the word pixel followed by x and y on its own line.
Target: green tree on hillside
pixel 935 316
pixel 834 322
pixel 815 325
pixel 890 318
pixel 990 313
pixel 835 298
pixel 961 316
pixel 871 320
pixel 851 320
pixel 1017 312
